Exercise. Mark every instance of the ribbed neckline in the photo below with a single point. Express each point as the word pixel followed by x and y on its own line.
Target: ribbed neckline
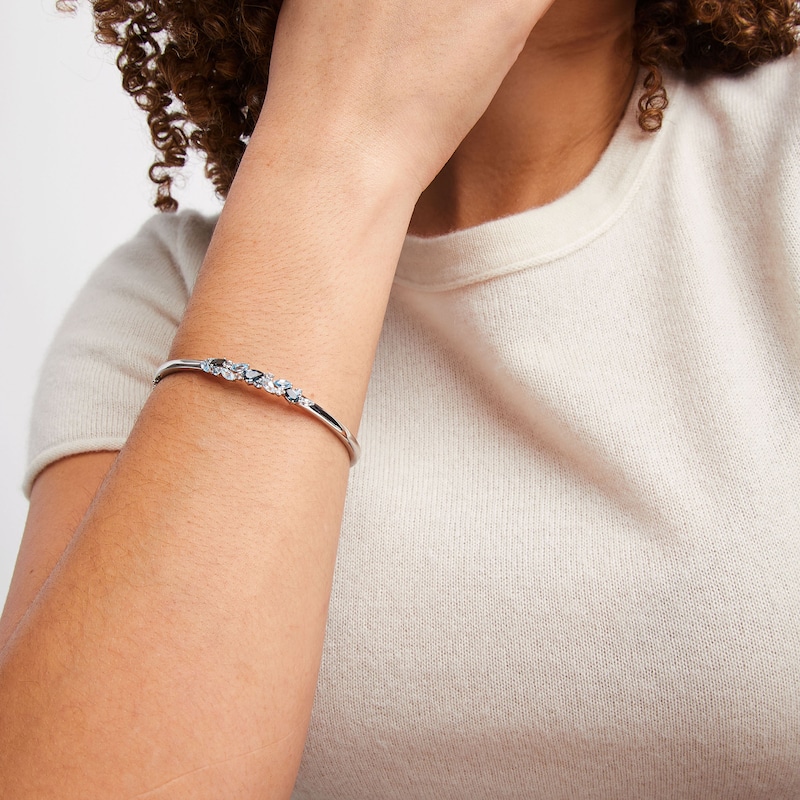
pixel 538 235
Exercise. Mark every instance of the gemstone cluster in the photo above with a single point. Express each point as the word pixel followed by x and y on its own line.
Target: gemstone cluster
pixel 233 371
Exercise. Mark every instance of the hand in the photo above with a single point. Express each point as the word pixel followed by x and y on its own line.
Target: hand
pixel 404 79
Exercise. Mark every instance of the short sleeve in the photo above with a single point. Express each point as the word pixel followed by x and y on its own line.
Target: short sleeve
pixel 98 370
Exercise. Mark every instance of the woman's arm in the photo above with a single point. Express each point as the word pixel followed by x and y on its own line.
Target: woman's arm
pixel 174 649
pixel 182 630
pixel 60 497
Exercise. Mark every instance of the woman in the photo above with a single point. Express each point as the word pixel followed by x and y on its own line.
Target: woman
pixel 569 560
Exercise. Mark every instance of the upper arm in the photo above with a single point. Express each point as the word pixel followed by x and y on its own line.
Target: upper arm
pixel 60 497
pixel 94 381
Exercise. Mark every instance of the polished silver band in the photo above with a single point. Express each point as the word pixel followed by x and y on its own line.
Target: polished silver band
pixel 234 371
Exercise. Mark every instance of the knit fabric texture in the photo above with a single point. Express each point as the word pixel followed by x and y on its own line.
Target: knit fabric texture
pixel 569 564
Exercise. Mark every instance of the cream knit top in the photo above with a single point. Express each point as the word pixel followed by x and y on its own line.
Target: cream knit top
pixel 569 566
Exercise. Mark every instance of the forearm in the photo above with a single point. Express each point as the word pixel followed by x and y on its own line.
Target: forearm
pixel 180 634
pixel 183 628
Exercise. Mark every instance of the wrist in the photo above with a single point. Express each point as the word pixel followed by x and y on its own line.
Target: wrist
pixel 334 150
pixel 299 269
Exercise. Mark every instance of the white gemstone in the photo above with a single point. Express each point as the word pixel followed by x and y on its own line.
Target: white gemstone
pixel 224 372
pixel 306 401
pixel 266 382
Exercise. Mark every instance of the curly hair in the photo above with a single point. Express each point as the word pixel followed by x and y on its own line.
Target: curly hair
pixel 200 69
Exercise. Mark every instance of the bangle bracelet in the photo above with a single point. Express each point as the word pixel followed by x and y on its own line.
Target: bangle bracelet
pixel 233 371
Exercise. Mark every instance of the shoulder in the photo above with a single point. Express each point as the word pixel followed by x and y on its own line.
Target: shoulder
pixel 762 86
pixel 736 134
pixel 755 108
pixel 97 372
pixel 147 279
pixel 167 243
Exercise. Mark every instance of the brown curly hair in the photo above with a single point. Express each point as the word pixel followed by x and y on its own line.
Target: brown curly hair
pixel 200 69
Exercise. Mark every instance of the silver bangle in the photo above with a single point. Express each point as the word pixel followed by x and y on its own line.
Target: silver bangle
pixel 234 371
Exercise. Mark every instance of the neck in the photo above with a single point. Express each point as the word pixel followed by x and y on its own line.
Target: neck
pixel 547 126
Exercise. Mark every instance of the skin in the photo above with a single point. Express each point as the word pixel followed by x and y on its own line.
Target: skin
pixel 164 627
pixel 524 151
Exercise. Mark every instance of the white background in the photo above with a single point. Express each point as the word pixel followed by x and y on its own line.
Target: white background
pixel 75 153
